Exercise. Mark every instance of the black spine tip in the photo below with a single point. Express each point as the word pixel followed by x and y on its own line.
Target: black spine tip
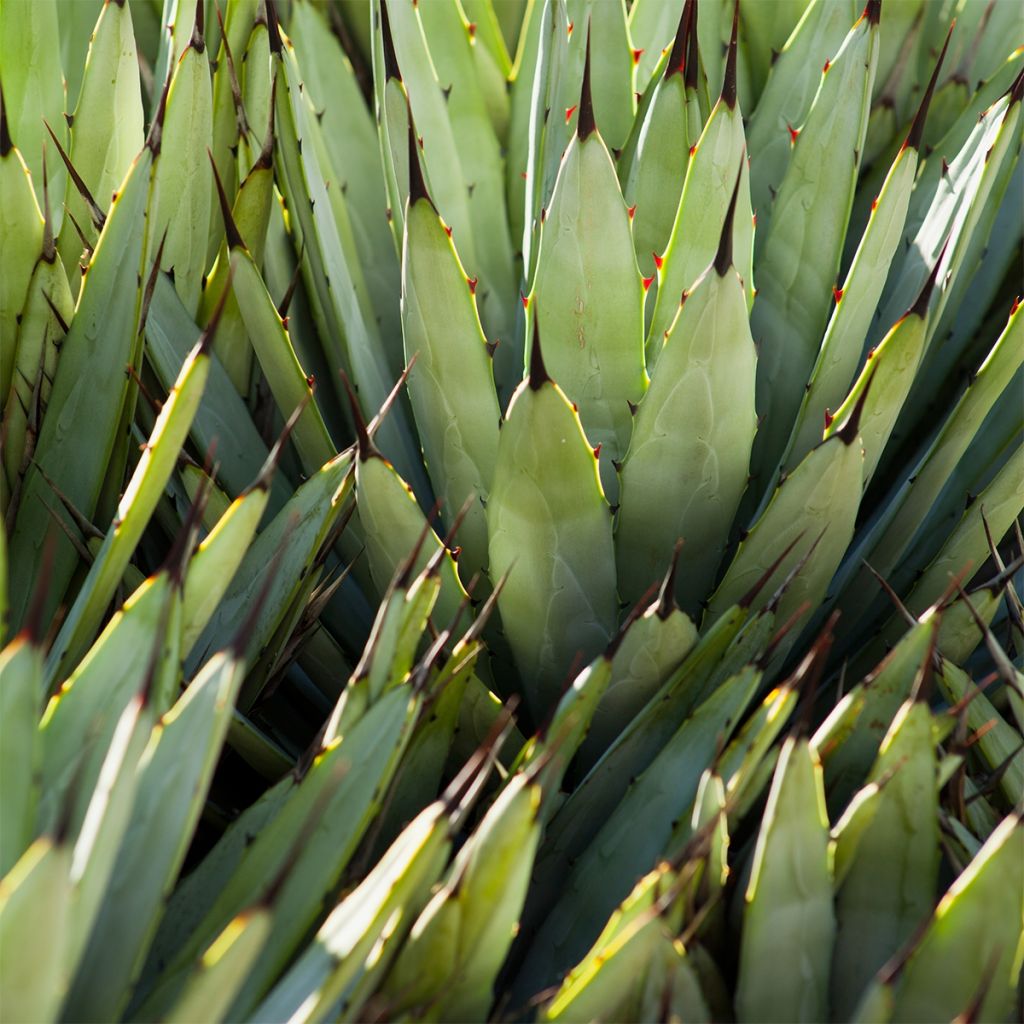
pixel 850 430
pixel 391 69
pixel 723 258
pixel 6 145
pixel 1016 90
pixel 678 59
pixel 873 11
pixel 692 73
pixel 274 28
pixel 538 374
pixel 364 445
pixel 585 124
pixel 729 80
pixel 920 306
pixel 916 132
pixel 417 184
pixel 198 41
pixel 234 238
pixel 156 129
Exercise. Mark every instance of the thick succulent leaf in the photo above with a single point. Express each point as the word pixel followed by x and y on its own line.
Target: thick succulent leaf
pixel 588 298
pixel 106 129
pixel 788 901
pixel 710 183
pixel 787 97
pixel 550 529
pixel 21 665
pixel 451 383
pixel 89 387
pixel 689 456
pixel 800 258
pixel 974 933
pixel 889 886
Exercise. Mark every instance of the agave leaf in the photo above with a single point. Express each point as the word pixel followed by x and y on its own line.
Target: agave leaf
pixel 451 382
pixel 133 514
pixel 696 233
pixel 350 140
pixel 216 978
pixel 550 529
pixel 688 459
pixel 787 97
pixel 89 387
pixel 889 886
pixel 588 294
pixel 32 83
pixel 21 241
pixel 174 775
pixel 20 699
pixel 107 126
pixel 35 896
pixel 804 242
pixel 974 933
pixel 635 833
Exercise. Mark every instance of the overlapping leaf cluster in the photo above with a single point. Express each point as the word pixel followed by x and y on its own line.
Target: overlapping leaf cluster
pixel 510 510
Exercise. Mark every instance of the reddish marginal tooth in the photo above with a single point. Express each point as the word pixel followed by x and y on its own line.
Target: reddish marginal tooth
pixel 471 29
pixel 837 294
pixel 658 260
pixel 472 282
pixel 693 149
pixel 455 552
pixel 575 407
pixel 648 281
pixel 871 353
pixel 522 174
pixel 637 54
pixel 828 418
pixel 597 451
pixel 448 231
pixel 631 211
pixel 754 218
pixel 569 111
pixel 569 30
pixel 828 64
pixel 874 204
pixel 1015 306
pixel 310 379
pixel 793 132
pixel 525 301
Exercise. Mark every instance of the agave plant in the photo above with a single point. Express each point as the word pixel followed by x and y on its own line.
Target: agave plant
pixel 510 510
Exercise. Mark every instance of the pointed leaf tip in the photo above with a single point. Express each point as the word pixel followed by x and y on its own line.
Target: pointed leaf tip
pixel 417 185
pixel 273 28
pixel 678 61
pixel 363 443
pixel 198 42
pixel 391 69
pixel 920 306
pixel 585 124
pixel 723 258
pixel 850 430
pixel 538 374
pixel 913 140
pixel 6 145
pixel 1016 90
pixel 234 238
pixel 729 80
pixel 691 75
pixel 156 129
pixel 667 593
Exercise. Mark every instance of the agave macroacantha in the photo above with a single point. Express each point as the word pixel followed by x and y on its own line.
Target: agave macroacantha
pixel 384 382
